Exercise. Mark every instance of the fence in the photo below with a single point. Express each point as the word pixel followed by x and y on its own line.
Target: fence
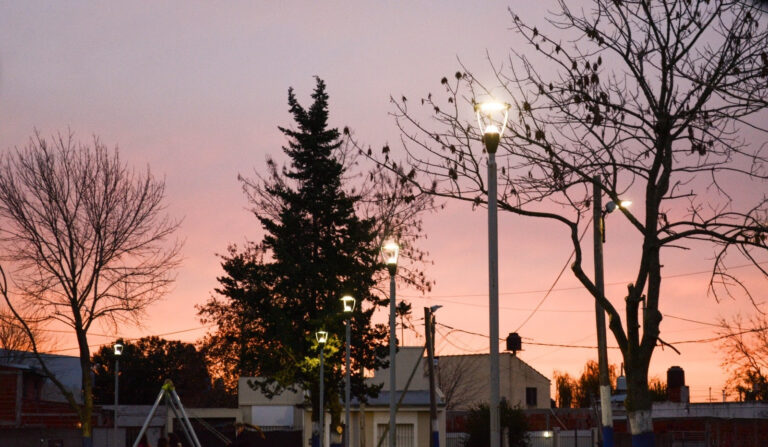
pixel 563 438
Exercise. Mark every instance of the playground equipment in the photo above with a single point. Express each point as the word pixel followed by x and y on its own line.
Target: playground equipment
pixel 174 403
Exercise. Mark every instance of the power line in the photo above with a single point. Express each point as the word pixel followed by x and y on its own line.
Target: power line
pixel 137 338
pixel 564 289
pixel 559 275
pixel 695 321
pixel 679 342
pixel 521 309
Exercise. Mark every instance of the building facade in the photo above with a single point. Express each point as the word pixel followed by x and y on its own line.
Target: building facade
pixel 290 411
pixel 464 381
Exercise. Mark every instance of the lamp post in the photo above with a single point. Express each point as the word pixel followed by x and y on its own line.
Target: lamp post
pixel 349 305
pixel 598 221
pixel 390 251
pixel 322 337
pixel 118 350
pixel 492 127
pixel 429 332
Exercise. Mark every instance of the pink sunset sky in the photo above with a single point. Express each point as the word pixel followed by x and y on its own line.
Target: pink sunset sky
pixel 196 91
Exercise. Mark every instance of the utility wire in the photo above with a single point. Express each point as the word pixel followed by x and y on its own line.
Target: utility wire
pixel 680 342
pixel 563 289
pixel 136 338
pixel 559 275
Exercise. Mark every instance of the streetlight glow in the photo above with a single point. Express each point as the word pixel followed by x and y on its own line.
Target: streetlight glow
pixel 321 336
pixel 611 206
pixel 489 117
pixel 390 251
pixel 118 349
pixel 348 302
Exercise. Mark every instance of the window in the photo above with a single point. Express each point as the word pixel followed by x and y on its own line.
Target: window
pixel 530 396
pixel 406 436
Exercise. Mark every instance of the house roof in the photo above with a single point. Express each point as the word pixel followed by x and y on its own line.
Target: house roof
pixel 524 363
pixel 66 368
pixel 418 398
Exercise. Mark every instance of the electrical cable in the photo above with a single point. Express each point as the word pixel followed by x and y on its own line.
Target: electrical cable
pixel 559 275
pixel 563 289
pixel 136 338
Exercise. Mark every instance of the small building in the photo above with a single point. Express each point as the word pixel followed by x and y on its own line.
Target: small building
pixel 464 380
pixel 33 412
pixel 290 411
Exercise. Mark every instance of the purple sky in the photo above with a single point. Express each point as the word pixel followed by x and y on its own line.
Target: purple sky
pixel 196 91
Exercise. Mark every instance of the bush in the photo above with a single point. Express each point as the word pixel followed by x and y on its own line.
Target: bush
pixel 511 418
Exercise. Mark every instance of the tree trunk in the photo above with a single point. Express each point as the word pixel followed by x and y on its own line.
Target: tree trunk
pixel 638 405
pixel 86 412
pixel 335 435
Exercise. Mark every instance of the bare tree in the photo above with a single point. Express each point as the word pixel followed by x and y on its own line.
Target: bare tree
pixel 84 239
pixel 655 98
pixel 14 342
pixel 746 356
pixel 456 380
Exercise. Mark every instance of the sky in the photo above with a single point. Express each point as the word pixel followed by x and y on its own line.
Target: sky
pixel 196 90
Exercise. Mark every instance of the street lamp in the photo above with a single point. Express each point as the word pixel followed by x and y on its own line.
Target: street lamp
pixel 389 251
pixel 118 350
pixel 602 348
pixel 322 337
pixel 349 305
pixel 492 119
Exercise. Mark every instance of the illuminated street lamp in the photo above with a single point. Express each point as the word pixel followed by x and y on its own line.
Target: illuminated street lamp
pixel 348 305
pixel 390 251
pixel 118 350
pixel 492 119
pixel 606 420
pixel 322 337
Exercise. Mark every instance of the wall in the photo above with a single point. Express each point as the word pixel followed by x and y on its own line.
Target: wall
pixel 514 374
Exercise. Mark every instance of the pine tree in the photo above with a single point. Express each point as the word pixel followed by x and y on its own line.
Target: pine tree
pixel 276 294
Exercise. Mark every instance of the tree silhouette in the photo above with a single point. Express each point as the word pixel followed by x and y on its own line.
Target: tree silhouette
pixel 85 239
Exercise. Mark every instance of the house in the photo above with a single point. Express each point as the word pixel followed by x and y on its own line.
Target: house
pixel 464 380
pixel 33 412
pixel 289 411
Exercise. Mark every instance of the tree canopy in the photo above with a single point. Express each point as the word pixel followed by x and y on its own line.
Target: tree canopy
pixel 146 363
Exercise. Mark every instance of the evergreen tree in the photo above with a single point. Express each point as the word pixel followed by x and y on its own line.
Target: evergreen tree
pixel 277 293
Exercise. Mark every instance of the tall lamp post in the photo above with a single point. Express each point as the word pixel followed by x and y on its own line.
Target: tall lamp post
pixel 598 221
pixel 118 350
pixel 349 305
pixel 322 337
pixel 390 251
pixel 489 118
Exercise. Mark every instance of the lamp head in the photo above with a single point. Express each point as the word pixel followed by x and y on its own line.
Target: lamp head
pixel 321 336
pixel 492 120
pixel 348 302
pixel 612 206
pixel 118 347
pixel 390 251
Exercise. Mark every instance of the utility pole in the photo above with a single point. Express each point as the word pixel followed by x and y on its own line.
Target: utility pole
pixel 429 330
pixel 602 350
